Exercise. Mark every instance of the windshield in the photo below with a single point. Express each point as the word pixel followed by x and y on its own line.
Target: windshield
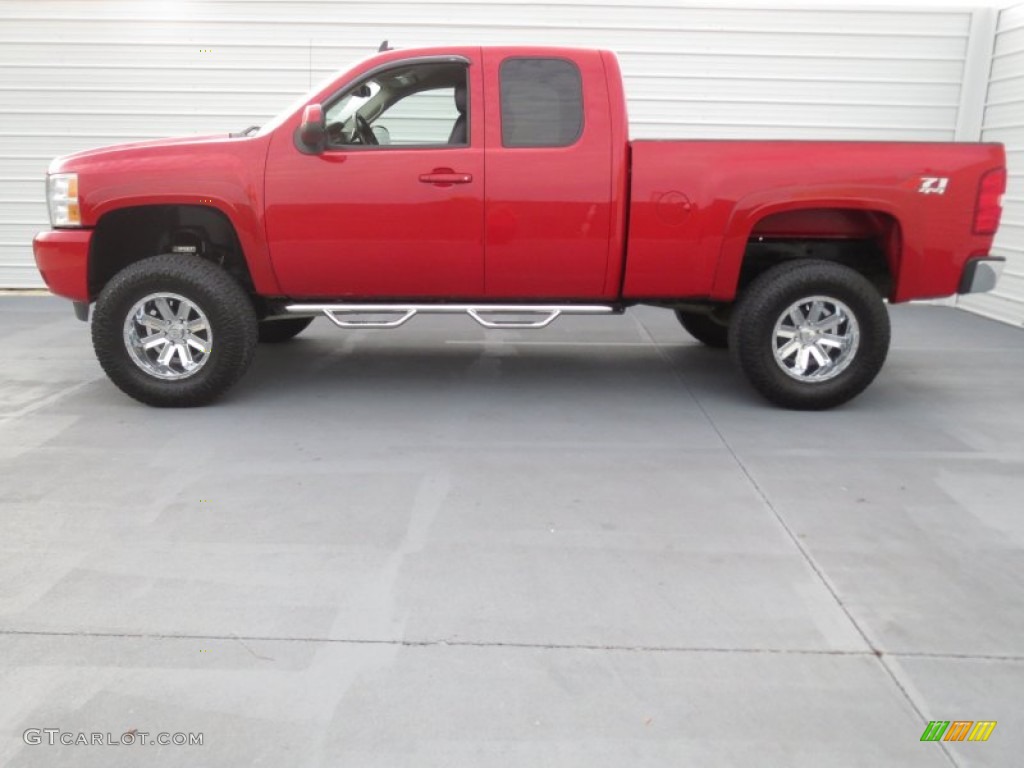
pixel 304 99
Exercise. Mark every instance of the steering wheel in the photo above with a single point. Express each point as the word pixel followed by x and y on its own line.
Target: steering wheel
pixel 364 131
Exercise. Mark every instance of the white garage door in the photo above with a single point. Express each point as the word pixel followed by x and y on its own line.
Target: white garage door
pixel 1004 122
pixel 83 74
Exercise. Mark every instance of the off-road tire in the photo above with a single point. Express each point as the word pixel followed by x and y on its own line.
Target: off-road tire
pixel 752 338
pixel 225 304
pixel 704 329
pixel 278 331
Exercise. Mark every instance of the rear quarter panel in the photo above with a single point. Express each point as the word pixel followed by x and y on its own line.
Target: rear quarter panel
pixel 695 204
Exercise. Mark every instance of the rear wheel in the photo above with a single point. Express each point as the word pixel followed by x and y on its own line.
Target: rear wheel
pixel 277 331
pixel 810 335
pixel 704 329
pixel 174 331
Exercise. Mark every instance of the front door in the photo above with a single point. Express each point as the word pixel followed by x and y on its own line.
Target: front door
pixel 393 207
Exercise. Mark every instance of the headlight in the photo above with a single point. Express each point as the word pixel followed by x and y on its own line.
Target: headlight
pixel 62 200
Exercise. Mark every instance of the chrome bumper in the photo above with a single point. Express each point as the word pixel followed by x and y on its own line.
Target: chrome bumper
pixel 981 274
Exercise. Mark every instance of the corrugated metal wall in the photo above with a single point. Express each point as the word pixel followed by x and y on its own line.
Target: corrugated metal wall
pixel 1004 121
pixel 82 74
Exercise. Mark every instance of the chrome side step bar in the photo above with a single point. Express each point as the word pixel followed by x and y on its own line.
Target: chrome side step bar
pixel 495 316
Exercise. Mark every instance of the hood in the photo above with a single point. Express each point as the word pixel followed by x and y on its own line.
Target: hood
pixel 220 170
pixel 79 160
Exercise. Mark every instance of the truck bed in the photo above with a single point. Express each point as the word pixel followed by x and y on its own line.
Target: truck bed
pixel 696 204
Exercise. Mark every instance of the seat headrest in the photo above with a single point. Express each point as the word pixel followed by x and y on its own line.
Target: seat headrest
pixel 460 98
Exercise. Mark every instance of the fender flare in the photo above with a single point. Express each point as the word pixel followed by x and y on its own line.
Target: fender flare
pixel 248 228
pixel 752 209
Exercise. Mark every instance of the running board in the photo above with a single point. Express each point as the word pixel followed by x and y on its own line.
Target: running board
pixel 536 315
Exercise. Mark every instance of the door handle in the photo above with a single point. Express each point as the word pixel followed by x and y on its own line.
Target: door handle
pixel 444 177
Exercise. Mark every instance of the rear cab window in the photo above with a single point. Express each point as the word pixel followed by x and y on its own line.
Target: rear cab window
pixel 541 102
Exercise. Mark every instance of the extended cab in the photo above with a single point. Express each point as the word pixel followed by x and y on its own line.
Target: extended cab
pixel 501 182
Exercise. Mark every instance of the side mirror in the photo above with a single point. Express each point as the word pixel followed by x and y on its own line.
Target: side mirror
pixel 312 131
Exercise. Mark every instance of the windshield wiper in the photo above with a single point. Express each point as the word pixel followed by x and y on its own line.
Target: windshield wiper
pixel 246 132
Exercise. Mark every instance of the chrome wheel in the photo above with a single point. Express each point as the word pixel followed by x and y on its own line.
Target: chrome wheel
pixel 168 336
pixel 815 339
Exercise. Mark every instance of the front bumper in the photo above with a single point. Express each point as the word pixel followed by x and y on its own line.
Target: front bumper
pixel 62 256
pixel 981 274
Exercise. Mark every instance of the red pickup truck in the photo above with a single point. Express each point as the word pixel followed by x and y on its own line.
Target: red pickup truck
pixel 501 183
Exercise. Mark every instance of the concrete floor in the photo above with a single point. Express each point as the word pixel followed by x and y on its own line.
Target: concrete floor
pixel 442 546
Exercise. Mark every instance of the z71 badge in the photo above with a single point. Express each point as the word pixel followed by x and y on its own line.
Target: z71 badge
pixel 933 185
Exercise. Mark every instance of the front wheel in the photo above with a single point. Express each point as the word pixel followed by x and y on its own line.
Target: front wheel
pixel 810 336
pixel 174 331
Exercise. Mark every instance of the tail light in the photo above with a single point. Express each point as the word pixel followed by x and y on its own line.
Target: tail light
pixel 990 199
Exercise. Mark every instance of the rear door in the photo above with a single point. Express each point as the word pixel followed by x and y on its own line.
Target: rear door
pixel 549 175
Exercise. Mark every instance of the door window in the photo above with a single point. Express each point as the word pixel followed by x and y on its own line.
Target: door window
pixel 541 102
pixel 420 105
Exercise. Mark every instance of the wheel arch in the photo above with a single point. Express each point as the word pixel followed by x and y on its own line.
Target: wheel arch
pixel 866 235
pixel 128 234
